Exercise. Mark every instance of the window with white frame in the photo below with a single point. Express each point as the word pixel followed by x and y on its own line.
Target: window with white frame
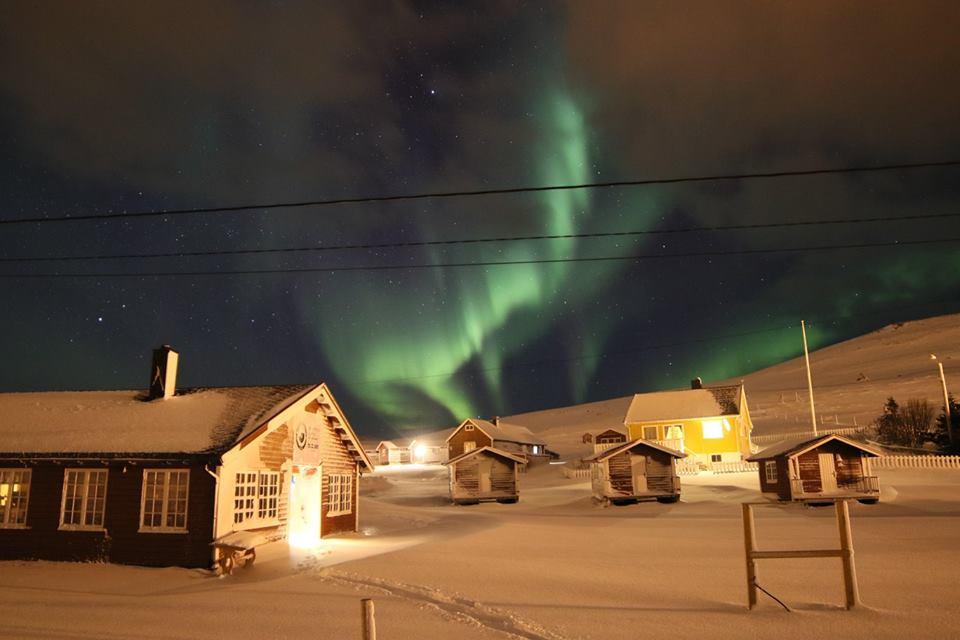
pixel 468 427
pixel 256 495
pixel 84 499
pixel 770 470
pixel 163 501
pixel 650 433
pixel 14 494
pixel 340 494
pixel 268 493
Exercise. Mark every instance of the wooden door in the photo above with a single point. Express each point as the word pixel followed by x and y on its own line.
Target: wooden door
pixel 638 468
pixel 486 469
pixel 828 473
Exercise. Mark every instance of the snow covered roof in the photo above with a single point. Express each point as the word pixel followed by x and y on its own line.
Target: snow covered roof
pixel 502 431
pixel 489 450
pixel 684 404
pixel 802 444
pixel 201 420
pixel 600 456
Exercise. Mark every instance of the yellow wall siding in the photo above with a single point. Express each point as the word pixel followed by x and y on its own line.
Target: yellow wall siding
pixel 693 439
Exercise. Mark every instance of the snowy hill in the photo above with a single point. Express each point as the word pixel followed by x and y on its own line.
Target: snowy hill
pixel 851 380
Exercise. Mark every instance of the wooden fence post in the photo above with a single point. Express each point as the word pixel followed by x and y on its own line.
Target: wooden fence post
pixel 750 545
pixel 850 588
pixel 368 622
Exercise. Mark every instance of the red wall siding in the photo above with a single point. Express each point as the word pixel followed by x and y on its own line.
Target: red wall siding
pixel 121 541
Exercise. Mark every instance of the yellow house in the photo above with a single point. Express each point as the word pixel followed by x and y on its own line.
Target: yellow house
pixel 708 424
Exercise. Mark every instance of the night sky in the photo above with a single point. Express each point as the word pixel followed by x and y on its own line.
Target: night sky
pixel 124 107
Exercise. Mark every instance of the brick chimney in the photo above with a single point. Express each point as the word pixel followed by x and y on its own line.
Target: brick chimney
pixel 163 373
pixel 696 383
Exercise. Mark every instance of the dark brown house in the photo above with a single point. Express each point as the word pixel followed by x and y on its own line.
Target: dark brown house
pixel 155 478
pixel 816 468
pixel 474 434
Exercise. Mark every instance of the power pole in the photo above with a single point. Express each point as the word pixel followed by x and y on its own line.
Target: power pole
pixel 806 357
pixel 946 402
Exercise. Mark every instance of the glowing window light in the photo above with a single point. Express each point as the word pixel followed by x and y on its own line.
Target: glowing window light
pixel 712 429
pixel 420 452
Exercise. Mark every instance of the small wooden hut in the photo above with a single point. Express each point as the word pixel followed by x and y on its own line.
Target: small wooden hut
pixel 484 474
pixel 817 468
pixel 635 470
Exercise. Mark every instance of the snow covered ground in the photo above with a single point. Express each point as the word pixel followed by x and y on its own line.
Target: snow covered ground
pixel 552 566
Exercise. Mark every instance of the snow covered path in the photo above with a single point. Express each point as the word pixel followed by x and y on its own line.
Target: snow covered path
pixel 553 566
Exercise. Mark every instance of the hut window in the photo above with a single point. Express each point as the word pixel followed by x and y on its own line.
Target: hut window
pixel 84 499
pixel 14 493
pixel 770 469
pixel 163 501
pixel 469 445
pixel 341 494
pixel 712 429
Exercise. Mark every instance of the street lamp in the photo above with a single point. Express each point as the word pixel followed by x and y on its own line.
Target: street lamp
pixel 946 398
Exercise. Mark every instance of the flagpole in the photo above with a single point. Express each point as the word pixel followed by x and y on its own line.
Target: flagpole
pixel 806 357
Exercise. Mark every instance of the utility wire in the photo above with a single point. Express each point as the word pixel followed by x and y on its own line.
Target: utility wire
pixel 448 265
pixel 432 243
pixel 484 192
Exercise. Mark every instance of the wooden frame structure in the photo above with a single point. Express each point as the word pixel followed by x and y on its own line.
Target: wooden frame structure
pixel 851 589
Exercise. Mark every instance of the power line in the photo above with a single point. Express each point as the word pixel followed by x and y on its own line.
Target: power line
pixel 395 267
pixel 431 243
pixel 485 192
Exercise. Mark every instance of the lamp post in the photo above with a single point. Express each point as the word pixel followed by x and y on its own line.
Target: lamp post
pixel 946 398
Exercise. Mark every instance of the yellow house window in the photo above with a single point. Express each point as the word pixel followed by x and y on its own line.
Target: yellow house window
pixel 650 433
pixel 674 432
pixel 712 429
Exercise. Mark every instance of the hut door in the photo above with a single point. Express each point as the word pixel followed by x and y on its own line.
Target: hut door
pixel 486 469
pixel 638 468
pixel 828 473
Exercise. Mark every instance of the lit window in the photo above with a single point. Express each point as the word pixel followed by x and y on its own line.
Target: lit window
pixel 163 502
pixel 84 499
pixel 673 432
pixel 712 429
pixel 340 495
pixel 469 445
pixel 14 493
pixel 255 497
pixel 770 469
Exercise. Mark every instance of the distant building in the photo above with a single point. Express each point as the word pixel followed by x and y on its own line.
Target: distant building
pixel 710 424
pixel 393 452
pixel 173 477
pixel 485 474
pixel 430 448
pixel 818 467
pixel 474 433
pixel 605 439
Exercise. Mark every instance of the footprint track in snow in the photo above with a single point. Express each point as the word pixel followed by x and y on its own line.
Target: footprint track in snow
pixel 457 607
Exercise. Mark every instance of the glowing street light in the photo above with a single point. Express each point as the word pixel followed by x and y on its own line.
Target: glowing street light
pixel 946 398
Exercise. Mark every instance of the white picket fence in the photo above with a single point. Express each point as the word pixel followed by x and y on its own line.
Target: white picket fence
pixel 916 462
pixel 578 474
pixel 778 437
pixel 741 466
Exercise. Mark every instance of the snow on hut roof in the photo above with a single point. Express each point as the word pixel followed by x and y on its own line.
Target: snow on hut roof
pixel 201 420
pixel 612 451
pixel 802 444
pixel 686 403
pixel 491 450
pixel 503 431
